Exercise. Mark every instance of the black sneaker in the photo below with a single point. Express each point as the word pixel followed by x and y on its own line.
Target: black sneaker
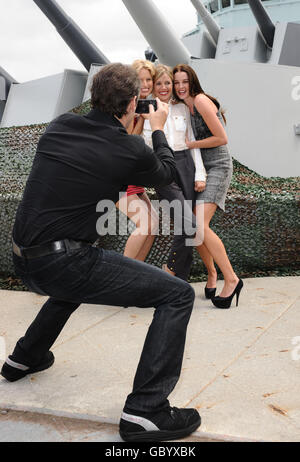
pixel 12 370
pixel 169 424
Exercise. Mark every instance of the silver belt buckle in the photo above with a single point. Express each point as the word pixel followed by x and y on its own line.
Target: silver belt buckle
pixel 58 246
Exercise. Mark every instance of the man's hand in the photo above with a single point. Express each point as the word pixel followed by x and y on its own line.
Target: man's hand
pixel 158 118
pixel 146 115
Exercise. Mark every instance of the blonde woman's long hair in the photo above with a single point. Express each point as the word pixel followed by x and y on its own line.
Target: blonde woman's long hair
pixel 162 69
pixel 140 64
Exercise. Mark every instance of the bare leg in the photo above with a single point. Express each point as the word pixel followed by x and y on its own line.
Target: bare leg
pixel 139 210
pixel 216 249
pixel 209 265
pixel 202 249
pixel 153 224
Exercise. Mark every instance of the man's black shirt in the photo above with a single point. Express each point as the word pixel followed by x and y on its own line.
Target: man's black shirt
pixel 81 160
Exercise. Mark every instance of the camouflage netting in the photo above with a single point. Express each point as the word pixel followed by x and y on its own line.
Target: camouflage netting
pixel 260 228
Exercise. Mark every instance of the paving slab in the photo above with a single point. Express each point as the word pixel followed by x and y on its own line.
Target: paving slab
pixel 241 366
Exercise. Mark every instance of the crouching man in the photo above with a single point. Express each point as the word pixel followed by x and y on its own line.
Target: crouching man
pixel 81 160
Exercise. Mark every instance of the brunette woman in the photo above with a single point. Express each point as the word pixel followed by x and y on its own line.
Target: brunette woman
pixel 208 124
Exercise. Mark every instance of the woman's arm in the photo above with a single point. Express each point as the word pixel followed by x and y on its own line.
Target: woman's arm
pixel 207 109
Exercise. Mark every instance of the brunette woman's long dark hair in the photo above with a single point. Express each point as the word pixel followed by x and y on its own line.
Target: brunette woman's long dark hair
pixel 195 87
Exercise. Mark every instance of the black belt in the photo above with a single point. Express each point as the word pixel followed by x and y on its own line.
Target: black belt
pixel 47 249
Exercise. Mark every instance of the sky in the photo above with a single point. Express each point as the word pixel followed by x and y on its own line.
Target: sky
pixel 31 48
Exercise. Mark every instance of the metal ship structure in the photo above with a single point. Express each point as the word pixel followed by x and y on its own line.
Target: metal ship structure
pixel 246 53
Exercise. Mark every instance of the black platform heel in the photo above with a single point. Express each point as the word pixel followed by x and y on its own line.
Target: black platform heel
pixel 209 292
pixel 225 302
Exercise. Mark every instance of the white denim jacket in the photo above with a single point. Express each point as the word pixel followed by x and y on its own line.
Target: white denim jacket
pixel 177 128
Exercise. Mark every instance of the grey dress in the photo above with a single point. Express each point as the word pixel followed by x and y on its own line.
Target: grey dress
pixel 217 162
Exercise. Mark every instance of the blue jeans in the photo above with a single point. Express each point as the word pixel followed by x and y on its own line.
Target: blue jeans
pixel 97 276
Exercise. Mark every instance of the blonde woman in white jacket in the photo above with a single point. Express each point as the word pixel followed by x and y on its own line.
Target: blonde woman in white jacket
pixel 191 175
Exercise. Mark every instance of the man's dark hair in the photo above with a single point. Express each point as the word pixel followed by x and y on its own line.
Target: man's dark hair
pixel 113 87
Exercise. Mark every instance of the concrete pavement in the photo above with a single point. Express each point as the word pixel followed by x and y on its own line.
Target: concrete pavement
pixel 241 368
